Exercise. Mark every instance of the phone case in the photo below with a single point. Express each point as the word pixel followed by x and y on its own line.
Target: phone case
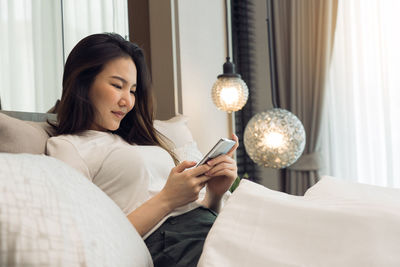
pixel 221 147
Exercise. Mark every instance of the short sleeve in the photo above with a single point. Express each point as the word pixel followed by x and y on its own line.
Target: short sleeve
pixel 63 150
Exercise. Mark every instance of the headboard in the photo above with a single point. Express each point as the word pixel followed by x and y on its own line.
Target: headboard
pixel 30 116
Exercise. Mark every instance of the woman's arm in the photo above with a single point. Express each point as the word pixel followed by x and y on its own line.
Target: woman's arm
pixel 182 187
pixel 211 201
pixel 149 214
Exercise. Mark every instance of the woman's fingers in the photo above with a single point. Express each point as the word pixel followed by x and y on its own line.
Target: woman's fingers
pixel 221 163
pixel 200 170
pixel 197 174
pixel 203 179
pixel 217 169
pixel 224 172
pixel 184 165
pixel 236 139
pixel 192 172
pixel 220 159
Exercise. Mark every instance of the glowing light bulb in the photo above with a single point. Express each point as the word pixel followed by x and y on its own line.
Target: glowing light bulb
pixel 273 139
pixel 229 95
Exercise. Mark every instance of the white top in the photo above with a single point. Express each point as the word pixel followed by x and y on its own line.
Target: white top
pixel 128 174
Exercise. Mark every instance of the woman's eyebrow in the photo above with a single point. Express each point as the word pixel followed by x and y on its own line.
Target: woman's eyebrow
pixel 122 80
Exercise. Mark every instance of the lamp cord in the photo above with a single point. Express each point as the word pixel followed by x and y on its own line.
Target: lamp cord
pixel 228 56
pixel 62 30
pixel 272 55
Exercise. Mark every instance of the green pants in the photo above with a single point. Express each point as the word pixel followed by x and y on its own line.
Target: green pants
pixel 179 240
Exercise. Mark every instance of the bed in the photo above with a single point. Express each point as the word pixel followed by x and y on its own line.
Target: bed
pixel 51 216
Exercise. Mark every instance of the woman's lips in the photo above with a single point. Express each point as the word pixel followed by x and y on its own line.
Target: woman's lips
pixel 118 114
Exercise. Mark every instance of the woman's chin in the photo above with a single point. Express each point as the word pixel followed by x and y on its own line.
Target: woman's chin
pixel 113 127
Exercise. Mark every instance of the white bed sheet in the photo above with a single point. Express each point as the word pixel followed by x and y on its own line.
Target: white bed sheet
pixel 261 227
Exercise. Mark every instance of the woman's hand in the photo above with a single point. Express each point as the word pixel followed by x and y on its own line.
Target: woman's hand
pixel 183 186
pixel 222 173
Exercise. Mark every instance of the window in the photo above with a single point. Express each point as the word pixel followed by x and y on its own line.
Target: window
pixel 361 138
pixel 36 39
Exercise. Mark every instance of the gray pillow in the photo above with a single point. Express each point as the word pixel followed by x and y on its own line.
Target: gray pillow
pixel 18 136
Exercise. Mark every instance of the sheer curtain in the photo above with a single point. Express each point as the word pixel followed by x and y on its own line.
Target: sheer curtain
pixel 82 18
pixel 36 37
pixel 361 140
pixel 30 58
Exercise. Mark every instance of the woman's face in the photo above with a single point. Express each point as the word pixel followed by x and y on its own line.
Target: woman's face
pixel 112 94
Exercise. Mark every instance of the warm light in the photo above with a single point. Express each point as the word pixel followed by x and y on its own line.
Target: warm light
pixel 229 95
pixel 275 138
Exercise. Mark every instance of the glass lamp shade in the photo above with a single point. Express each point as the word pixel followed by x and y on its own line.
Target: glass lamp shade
pixel 275 138
pixel 229 93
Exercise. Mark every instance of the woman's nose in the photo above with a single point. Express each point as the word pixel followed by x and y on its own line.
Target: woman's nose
pixel 127 100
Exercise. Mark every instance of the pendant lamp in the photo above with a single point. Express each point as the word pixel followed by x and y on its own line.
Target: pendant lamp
pixel 275 138
pixel 229 93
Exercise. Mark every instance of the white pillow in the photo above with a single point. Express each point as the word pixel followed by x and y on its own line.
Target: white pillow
pixel 332 187
pixel 262 227
pixel 50 215
pixel 176 130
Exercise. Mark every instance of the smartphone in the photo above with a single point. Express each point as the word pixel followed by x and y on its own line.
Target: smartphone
pixel 221 147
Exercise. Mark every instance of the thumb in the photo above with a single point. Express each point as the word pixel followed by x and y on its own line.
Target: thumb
pixel 236 139
pixel 184 165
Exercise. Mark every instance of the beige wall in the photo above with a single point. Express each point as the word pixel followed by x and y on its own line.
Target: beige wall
pixel 187 53
pixel 202 54
pixel 188 48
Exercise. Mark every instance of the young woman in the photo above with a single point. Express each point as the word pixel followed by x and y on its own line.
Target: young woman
pixel 105 130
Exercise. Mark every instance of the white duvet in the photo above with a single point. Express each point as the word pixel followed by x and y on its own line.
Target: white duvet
pixel 50 215
pixel 334 224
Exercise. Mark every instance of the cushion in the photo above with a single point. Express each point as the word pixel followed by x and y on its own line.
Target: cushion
pixel 189 152
pixel 50 215
pixel 262 227
pixel 177 131
pixel 19 136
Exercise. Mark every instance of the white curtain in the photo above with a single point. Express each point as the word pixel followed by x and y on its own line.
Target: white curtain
pixel 35 41
pixel 82 18
pixel 361 140
pixel 30 58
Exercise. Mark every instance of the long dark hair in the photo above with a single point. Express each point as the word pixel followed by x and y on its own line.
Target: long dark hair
pixel 86 60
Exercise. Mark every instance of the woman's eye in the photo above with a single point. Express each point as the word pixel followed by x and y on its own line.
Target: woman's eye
pixel 133 93
pixel 117 86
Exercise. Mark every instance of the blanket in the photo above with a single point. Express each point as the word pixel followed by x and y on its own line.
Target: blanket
pixel 358 226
